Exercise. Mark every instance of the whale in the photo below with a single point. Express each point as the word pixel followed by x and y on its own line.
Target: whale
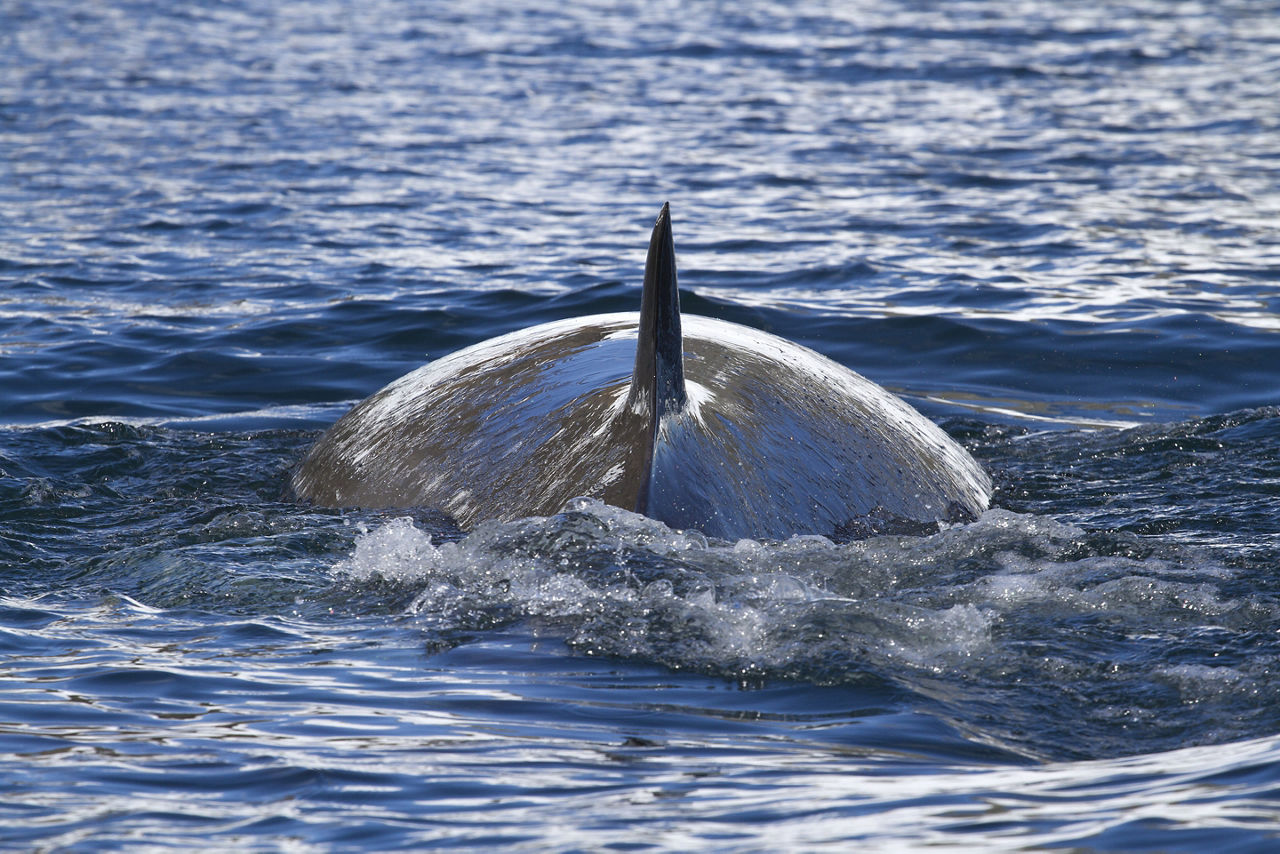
pixel 696 422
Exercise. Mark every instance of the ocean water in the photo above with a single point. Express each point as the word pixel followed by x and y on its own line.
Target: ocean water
pixel 1051 228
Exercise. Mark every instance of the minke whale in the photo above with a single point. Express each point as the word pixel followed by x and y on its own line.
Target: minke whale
pixel 695 422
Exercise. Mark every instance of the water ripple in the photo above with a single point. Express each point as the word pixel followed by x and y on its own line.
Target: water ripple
pixel 219 225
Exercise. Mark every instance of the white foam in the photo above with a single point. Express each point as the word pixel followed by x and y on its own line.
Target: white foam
pixel 970 605
pixel 396 551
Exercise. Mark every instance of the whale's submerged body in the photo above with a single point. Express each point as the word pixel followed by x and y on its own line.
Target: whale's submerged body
pixel 698 423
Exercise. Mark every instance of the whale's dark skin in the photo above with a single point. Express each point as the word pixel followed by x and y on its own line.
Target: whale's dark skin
pixel 698 423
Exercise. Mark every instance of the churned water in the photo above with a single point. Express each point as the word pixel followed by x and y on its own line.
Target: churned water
pixel 1051 227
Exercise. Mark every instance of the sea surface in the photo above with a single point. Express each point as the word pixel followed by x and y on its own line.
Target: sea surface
pixel 1052 227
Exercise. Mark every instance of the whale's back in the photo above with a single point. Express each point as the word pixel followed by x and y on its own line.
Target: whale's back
pixel 699 423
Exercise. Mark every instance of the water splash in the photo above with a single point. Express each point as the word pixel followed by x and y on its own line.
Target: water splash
pixel 1018 628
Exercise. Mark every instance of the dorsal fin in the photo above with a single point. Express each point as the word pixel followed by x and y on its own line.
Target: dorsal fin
pixel 658 376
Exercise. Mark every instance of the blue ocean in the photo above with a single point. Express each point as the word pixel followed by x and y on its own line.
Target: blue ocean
pixel 1053 228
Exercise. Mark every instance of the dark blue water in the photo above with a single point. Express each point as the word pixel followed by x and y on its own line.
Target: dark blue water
pixel 1051 228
